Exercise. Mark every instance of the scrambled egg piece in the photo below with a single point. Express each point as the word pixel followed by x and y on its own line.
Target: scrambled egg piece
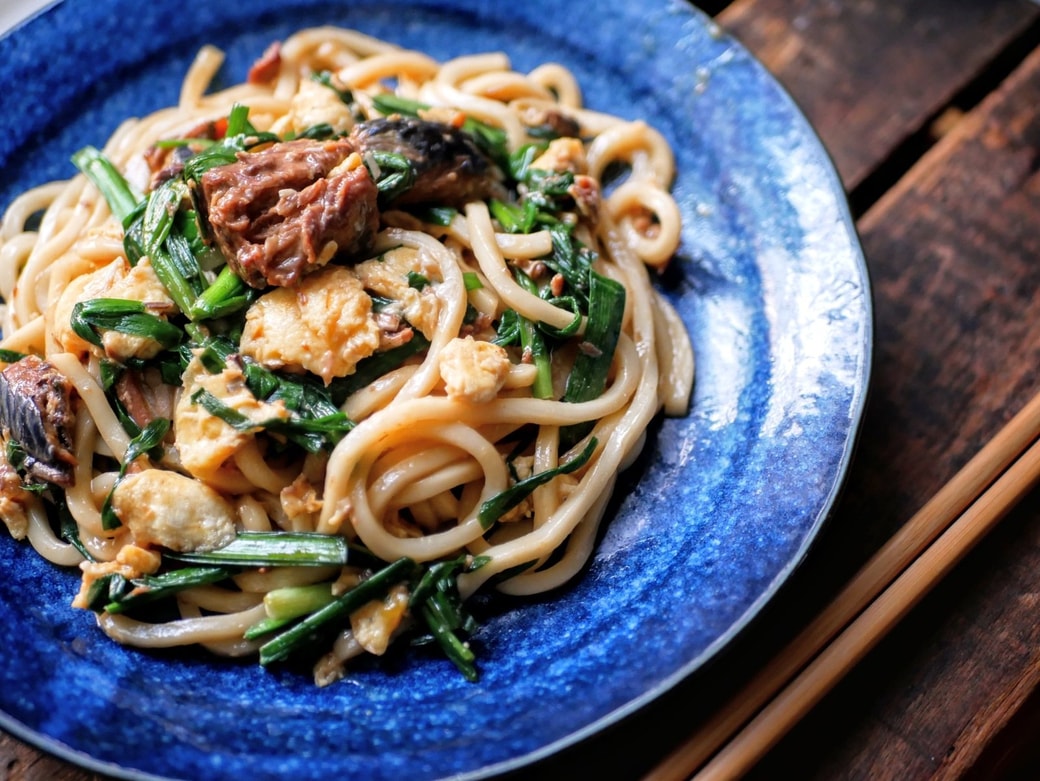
pixel 473 371
pixel 300 503
pixel 131 562
pixel 204 441
pixel 563 154
pixel 315 104
pixel 168 509
pixel 373 624
pixel 324 325
pixel 13 500
pixel 117 279
pixel 387 275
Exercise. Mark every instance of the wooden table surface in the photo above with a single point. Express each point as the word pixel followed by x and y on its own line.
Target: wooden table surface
pixel 931 110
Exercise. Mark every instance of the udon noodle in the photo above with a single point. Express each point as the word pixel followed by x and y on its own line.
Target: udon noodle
pixel 445 385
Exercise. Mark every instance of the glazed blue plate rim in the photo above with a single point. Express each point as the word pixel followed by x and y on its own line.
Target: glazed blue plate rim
pixel 701 61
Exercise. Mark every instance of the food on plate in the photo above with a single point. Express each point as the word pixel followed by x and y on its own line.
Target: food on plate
pixel 296 367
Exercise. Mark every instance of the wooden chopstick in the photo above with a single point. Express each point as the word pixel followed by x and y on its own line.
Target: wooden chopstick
pixel 891 583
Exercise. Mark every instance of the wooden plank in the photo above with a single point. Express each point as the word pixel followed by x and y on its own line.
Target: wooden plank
pixel 953 251
pixel 19 762
pixel 870 75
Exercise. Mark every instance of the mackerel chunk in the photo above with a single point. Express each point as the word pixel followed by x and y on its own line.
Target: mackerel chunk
pixel 449 167
pixel 288 209
pixel 36 412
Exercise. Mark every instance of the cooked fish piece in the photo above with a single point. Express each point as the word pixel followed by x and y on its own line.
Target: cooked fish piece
pixel 288 209
pixel 36 412
pixel 449 166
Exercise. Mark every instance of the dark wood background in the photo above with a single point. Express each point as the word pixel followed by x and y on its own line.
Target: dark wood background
pixel 930 110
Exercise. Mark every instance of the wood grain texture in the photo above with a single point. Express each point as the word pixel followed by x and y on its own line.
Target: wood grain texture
pixel 20 762
pixel 871 74
pixel 953 251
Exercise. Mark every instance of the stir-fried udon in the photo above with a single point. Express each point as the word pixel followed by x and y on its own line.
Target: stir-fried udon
pixel 295 367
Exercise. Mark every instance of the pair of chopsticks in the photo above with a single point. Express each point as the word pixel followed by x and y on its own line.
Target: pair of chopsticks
pixel 911 563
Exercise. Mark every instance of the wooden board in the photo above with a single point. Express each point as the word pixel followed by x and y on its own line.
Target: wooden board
pixel 953 243
pixel 872 75
pixel 954 252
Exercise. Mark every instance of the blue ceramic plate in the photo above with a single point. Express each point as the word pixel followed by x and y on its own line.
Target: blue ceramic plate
pixel 771 284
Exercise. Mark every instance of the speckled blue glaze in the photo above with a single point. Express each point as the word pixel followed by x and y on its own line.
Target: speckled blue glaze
pixel 724 504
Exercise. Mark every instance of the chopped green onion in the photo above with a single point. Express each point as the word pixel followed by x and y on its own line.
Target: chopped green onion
pixel 534 346
pixel 147 442
pixel 157 220
pixel 11 356
pixel 456 650
pixel 417 281
pixel 434 577
pixel 498 505
pixel 106 589
pixel 264 627
pixel 70 530
pixel 513 218
pixel 572 261
pixel 300 634
pixel 238 121
pixel 392 172
pixel 508 328
pixel 437 601
pixel 173 259
pixel 588 377
pixel 437 215
pixel 225 296
pixel 295 601
pixel 121 198
pixel 375 366
pixel 471 280
pixel 564 302
pixel 310 432
pixel 274 549
pixel 151 588
pixel 148 439
pixel 125 316
pixel 325 79
pixel 520 160
pixel 239 137
pixel 318 132
pixel 389 103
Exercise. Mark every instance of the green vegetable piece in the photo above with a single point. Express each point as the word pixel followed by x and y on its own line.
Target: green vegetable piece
pixel 151 588
pixel 274 549
pixel 296 601
pixel 534 345
pixel 417 281
pixel 149 439
pixel 498 505
pixel 10 356
pixel 588 377
pixel 289 641
pixel 455 649
pixel 126 316
pixel 121 198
